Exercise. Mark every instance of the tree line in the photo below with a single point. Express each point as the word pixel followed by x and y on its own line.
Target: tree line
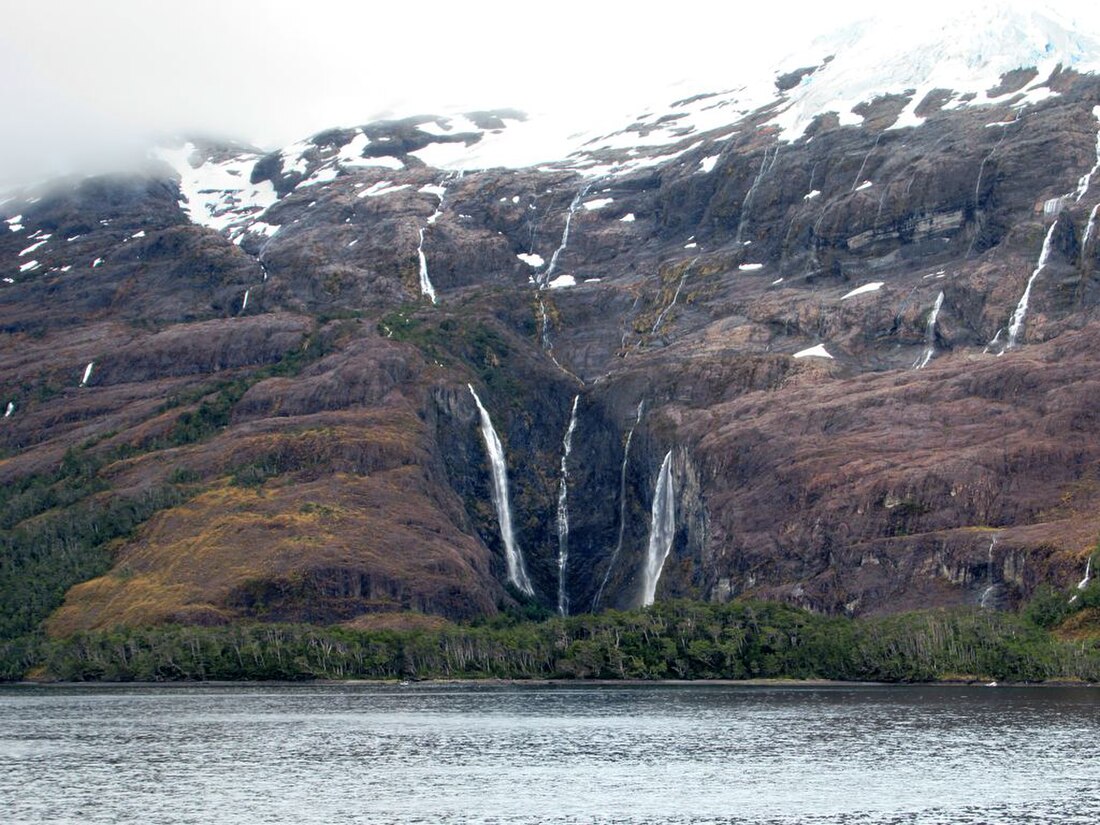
pixel 670 640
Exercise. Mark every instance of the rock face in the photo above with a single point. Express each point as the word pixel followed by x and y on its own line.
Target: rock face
pixel 267 348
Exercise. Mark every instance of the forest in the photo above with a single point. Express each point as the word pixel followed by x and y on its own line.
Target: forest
pixel 670 640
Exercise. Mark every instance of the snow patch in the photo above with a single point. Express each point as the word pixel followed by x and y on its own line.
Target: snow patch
pixel 531 259
pixel 809 196
pixel 383 187
pixel 33 247
pixel 218 195
pixel 627 218
pixel 563 281
pixel 750 267
pixel 874 286
pixel 813 352
pixel 598 203
pixel 706 165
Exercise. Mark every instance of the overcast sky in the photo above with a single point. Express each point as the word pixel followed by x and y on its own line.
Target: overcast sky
pixel 81 77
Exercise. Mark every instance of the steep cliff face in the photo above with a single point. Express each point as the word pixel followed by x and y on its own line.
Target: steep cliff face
pixel 861 326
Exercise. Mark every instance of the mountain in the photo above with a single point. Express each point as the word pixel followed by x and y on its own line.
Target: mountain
pixel 825 337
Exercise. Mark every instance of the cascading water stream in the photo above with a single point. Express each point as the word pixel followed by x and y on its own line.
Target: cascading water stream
pixel 563 510
pixel 1020 312
pixel 87 374
pixel 622 506
pixel 930 335
pixel 1091 228
pixel 981 172
pixel 1081 585
pixel 675 296
pixel 11 409
pixel 983 600
pixel 573 207
pixel 765 167
pixel 859 175
pixel 426 287
pixel 244 303
pixel 1085 181
pixel 513 556
pixel 662 530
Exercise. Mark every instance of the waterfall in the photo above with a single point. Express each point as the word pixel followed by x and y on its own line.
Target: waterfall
pixel 983 600
pixel 563 510
pixel 573 207
pixel 862 166
pixel 764 169
pixel 978 185
pixel 244 303
pixel 544 328
pixel 675 296
pixel 622 506
pixel 426 287
pixel 662 530
pixel 930 335
pixel 513 556
pixel 1020 312
pixel 1086 180
pixel 11 409
pixel 993 341
pixel 548 345
pixel 1081 585
pixel 1090 228
pixel 87 374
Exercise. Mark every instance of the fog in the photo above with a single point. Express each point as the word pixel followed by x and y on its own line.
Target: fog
pixel 87 83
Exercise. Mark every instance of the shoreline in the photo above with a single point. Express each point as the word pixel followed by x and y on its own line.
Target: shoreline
pixel 555 683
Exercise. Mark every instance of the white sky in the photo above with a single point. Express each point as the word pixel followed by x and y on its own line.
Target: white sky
pixel 86 78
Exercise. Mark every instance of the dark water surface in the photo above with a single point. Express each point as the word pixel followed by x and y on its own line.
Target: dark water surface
pixel 502 754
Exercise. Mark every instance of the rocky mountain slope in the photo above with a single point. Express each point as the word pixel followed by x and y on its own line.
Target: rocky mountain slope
pixel 827 338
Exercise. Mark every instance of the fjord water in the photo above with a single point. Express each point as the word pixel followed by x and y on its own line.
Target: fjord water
pixel 537 754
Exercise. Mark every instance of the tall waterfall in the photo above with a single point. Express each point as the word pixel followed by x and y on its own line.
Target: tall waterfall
pixel 87 374
pixel 426 287
pixel 662 529
pixel 573 207
pixel 978 185
pixel 244 303
pixel 1090 228
pixel 983 600
pixel 513 556
pixel 1086 180
pixel 1081 585
pixel 10 409
pixel 622 506
pixel 930 335
pixel 765 167
pixel 1020 312
pixel 563 510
